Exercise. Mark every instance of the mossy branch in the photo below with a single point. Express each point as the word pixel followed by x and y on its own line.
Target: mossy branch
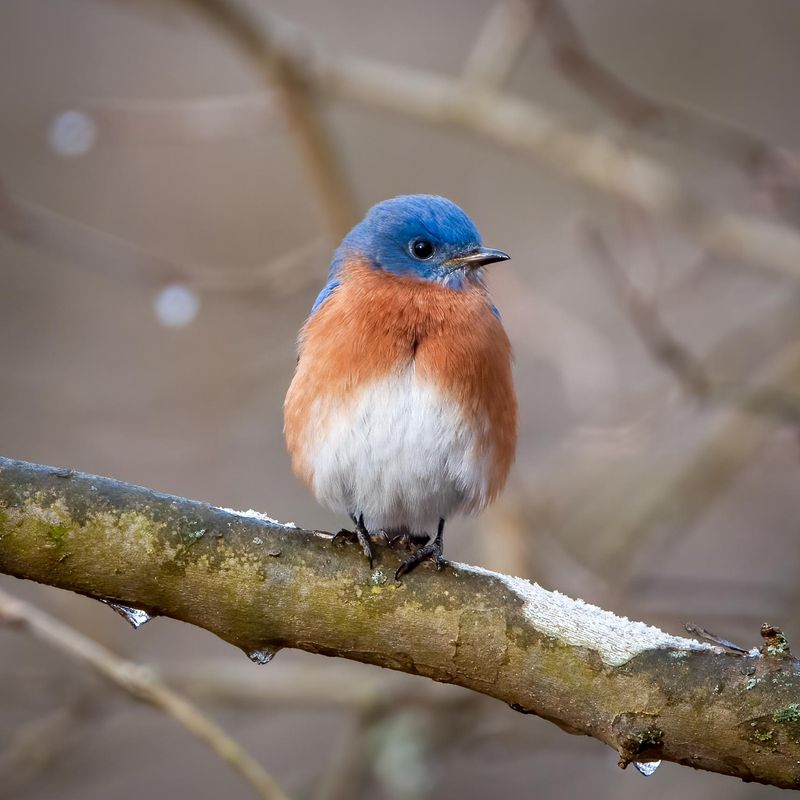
pixel 263 586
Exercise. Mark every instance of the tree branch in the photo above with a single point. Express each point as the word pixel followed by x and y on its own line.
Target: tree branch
pixel 263 586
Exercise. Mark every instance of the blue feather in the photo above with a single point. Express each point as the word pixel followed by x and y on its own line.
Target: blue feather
pixel 384 239
pixel 327 291
pixel 385 234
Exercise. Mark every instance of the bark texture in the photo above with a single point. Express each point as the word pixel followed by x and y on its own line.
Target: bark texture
pixel 263 586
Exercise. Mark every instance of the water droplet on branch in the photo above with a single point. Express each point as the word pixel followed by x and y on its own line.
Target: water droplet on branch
pixel 135 616
pixel 647 768
pixel 260 656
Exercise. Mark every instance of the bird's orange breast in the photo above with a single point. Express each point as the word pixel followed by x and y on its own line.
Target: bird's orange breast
pixel 376 324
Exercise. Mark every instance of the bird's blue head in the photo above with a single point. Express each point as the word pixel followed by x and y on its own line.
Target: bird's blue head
pixel 421 236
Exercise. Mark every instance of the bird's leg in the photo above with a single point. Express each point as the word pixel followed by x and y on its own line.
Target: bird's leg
pixel 428 552
pixel 379 534
pixel 360 534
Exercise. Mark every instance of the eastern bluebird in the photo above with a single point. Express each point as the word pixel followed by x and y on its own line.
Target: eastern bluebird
pixel 402 408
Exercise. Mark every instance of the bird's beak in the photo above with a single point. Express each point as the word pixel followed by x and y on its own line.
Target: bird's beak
pixel 479 257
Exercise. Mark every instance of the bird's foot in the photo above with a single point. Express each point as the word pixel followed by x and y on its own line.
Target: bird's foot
pixel 428 552
pixel 345 535
pixel 360 535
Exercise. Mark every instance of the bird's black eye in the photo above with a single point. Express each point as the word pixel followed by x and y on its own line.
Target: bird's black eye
pixel 422 249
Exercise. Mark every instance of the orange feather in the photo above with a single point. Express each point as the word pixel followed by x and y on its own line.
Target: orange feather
pixel 377 323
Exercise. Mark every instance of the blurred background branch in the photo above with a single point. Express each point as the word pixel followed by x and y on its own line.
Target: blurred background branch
pixel 300 70
pixel 139 682
pixel 499 45
pixel 522 126
pixel 753 155
pixel 95 250
pixel 281 68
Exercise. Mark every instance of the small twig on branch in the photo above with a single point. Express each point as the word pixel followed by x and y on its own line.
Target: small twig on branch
pixel 141 683
pixel 263 586
pixel 707 636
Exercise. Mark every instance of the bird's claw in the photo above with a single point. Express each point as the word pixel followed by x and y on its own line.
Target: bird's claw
pixel 426 550
pixel 429 552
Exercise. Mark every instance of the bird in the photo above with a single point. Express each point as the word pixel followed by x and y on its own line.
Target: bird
pixel 402 410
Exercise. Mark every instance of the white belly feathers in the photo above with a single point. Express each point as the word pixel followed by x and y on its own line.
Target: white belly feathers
pixel 399 452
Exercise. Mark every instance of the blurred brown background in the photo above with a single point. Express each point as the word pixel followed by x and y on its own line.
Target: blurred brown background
pixel 145 170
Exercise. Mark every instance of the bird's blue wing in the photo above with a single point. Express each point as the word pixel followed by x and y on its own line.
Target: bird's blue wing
pixel 327 290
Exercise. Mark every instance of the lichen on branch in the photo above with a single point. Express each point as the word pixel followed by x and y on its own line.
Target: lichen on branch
pixel 263 586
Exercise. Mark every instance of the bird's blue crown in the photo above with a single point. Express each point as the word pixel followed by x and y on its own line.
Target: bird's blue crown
pixel 410 235
pixel 420 236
